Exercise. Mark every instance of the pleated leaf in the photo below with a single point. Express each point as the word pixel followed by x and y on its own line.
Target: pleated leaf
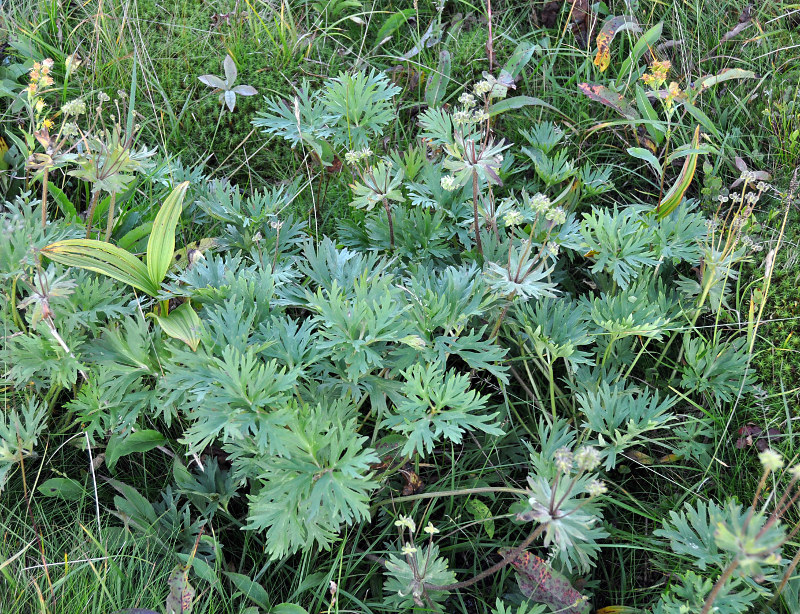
pixel 161 245
pixel 103 258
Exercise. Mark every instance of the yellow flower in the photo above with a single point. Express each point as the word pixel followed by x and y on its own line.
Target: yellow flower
pixel 673 92
pixel 48 123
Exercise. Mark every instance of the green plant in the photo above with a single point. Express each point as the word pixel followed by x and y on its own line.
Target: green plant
pixel 229 91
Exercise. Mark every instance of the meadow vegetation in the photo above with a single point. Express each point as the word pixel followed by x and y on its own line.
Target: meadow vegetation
pixel 336 306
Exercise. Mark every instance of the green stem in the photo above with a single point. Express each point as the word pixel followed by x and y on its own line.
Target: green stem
pixel 110 221
pixel 44 198
pixel 478 244
pixel 451 493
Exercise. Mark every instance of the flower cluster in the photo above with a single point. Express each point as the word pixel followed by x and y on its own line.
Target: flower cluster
pixel 657 75
pixel 354 157
pixel 40 77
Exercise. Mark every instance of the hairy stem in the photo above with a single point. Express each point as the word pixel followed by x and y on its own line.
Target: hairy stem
pixel 718 586
pixel 475 213
pixel 110 221
pixel 44 198
pixel 391 225
pixel 494 568
pixel 90 214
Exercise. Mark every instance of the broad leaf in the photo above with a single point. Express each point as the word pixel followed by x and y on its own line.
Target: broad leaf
pixel 62 487
pixel 161 245
pixel 245 90
pixel 517 102
pixel 606 36
pixel 183 324
pixel 647 156
pixel 140 441
pixel 104 258
pixel 437 82
pixel 212 81
pixel 181 593
pixel 230 71
pixel 608 97
pixel 252 590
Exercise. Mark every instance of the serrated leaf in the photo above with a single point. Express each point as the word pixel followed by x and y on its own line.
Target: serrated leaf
pixel 252 590
pixel 161 245
pixel 104 258
pixel 64 488
pixel 436 87
pixel 183 324
pixel 140 441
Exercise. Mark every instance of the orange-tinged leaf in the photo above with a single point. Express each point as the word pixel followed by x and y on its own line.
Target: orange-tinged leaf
pixel 606 36
pixel 610 98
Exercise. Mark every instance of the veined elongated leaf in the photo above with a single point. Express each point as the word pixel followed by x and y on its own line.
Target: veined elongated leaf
pixel 654 127
pixel 62 487
pixel 103 258
pixel 437 82
pixel 63 202
pixel 252 590
pixel 161 245
pixel 606 36
pixel 610 98
pixel 521 56
pixel 132 237
pixel 724 75
pixel 647 41
pixel 392 23
pixel 647 156
pixel 183 324
pixel 517 102
pixel 675 194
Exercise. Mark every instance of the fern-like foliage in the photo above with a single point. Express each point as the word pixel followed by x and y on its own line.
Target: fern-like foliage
pixel 321 481
pixel 438 404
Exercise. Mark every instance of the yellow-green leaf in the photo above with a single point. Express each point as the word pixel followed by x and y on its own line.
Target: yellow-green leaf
pixel 675 194
pixel 161 245
pixel 183 324
pixel 103 258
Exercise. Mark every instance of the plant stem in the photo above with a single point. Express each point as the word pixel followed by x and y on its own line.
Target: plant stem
pixel 391 225
pixel 451 493
pixel 475 212
pixel 90 214
pixel 110 222
pixel 44 197
pixel 718 586
pixel 510 556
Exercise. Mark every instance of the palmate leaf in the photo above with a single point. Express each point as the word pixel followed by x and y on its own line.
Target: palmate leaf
pixel 438 405
pixel 104 258
pixel 321 482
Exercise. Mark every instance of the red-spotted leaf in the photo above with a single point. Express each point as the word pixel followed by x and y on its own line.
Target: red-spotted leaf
pixel 541 583
pixel 610 98
pixel 607 34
